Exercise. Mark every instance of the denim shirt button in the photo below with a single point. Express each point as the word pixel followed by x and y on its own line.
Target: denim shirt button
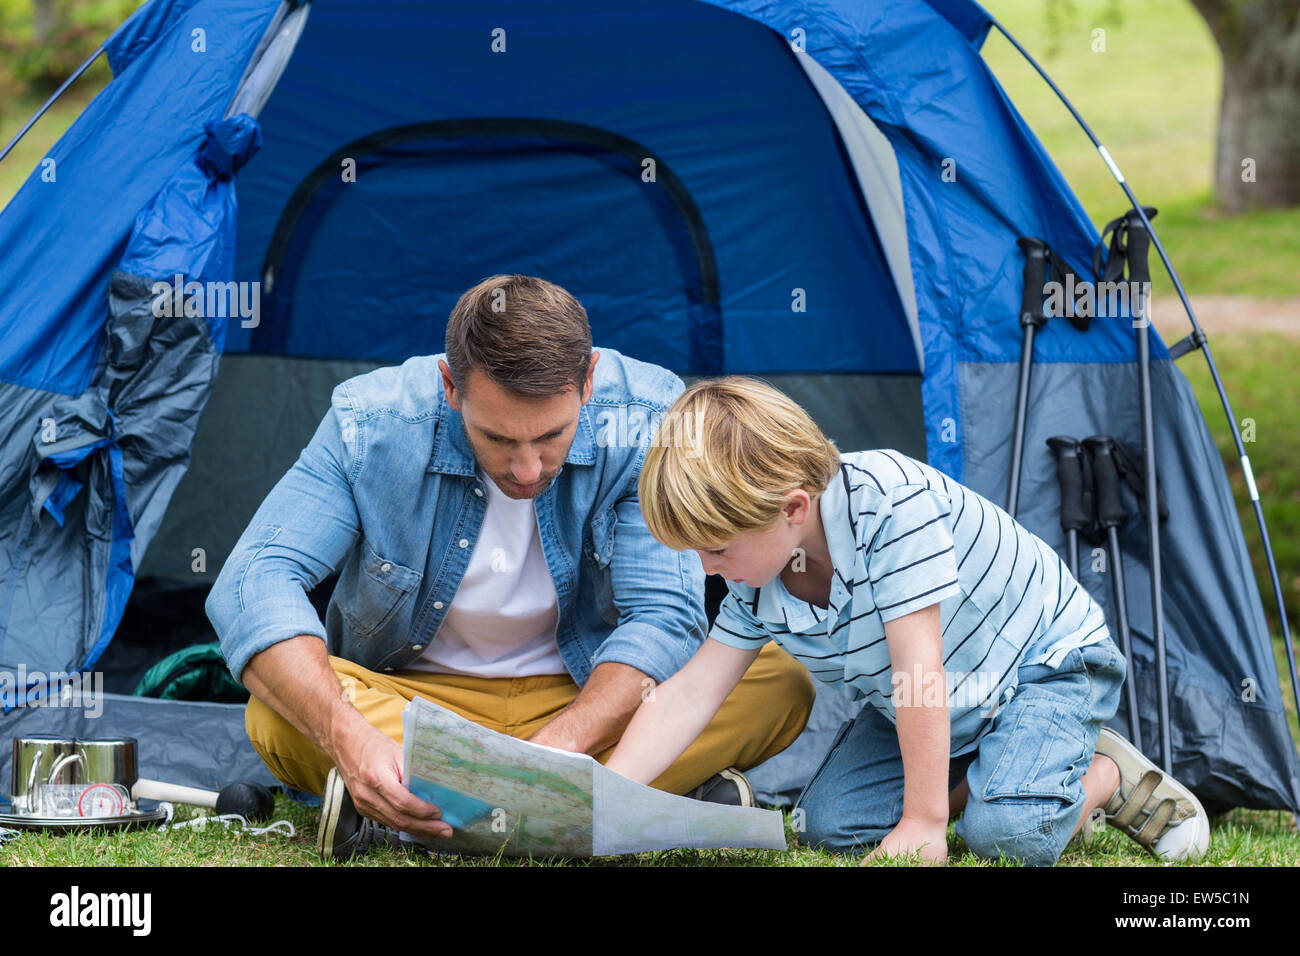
pixel 438 605
pixel 385 567
pixel 464 542
pixel 417 647
pixel 479 492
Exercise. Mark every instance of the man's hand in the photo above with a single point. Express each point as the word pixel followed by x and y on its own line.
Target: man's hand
pixel 928 838
pixel 371 766
pixel 295 679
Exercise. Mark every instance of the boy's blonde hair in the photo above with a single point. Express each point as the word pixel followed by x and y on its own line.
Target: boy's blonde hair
pixel 723 459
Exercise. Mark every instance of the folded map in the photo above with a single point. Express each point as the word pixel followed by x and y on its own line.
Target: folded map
pixel 504 795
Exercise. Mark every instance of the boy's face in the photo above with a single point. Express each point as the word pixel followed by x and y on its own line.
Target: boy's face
pixel 757 557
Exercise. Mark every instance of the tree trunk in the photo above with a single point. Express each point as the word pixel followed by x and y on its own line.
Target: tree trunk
pixel 42 20
pixel 1257 162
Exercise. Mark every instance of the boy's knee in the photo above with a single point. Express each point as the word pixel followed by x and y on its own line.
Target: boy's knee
pixel 1023 829
pixel 821 827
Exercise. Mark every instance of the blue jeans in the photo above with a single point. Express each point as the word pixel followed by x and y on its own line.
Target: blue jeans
pixel 1026 794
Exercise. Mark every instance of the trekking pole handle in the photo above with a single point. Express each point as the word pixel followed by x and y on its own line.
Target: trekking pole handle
pixel 1110 508
pixel 1069 475
pixel 1035 274
pixel 1138 245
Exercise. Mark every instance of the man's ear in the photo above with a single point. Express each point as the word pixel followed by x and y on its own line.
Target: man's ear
pixel 590 384
pixel 449 386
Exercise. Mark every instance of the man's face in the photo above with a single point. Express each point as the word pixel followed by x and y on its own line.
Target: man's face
pixel 521 441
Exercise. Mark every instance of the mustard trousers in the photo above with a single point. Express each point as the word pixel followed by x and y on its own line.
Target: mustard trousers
pixel 762 716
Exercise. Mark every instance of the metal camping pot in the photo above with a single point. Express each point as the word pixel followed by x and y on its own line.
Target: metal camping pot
pixel 42 759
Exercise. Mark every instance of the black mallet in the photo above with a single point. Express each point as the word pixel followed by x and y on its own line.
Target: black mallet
pixel 252 801
pixel 1111 515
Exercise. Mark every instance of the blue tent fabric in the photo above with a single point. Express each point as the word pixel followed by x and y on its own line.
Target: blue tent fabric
pixel 674 167
pixel 126 438
pixel 108 166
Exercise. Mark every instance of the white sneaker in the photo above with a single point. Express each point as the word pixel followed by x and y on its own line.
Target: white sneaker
pixel 1152 807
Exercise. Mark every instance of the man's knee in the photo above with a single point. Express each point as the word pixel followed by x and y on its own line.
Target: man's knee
pixel 290 756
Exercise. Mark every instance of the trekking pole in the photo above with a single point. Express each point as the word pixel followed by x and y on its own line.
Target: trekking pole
pixel 1111 516
pixel 1031 319
pixel 1140 281
pixel 1076 516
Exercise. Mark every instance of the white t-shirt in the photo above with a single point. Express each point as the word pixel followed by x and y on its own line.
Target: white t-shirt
pixel 501 623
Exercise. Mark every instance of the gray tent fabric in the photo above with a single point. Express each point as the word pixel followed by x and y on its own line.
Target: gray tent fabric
pixel 140 414
pixel 1226 712
pixel 190 743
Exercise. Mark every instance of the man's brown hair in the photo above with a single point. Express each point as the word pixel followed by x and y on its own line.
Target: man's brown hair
pixel 526 334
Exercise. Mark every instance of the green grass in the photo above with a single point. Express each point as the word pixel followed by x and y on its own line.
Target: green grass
pixel 1239 838
pixel 1257 368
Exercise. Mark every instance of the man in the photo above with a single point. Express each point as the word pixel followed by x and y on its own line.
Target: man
pixel 481 508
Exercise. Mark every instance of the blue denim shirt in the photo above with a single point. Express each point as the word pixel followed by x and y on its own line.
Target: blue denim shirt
pixel 387 493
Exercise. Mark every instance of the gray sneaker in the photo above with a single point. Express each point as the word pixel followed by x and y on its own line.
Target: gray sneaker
pixel 1151 807
pixel 728 787
pixel 343 834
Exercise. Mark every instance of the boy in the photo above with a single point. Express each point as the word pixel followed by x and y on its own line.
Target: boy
pixel 986 670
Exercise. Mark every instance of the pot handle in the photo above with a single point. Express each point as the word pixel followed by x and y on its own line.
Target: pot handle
pixel 62 762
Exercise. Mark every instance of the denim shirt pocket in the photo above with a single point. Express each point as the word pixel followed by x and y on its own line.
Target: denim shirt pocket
pixel 382 587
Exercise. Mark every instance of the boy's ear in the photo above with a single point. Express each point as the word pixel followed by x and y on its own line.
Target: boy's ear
pixel 798 505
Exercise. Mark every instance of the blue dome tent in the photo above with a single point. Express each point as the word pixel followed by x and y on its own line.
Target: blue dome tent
pixel 827 195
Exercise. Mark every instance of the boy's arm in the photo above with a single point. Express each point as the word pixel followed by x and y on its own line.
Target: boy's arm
pixel 912 568
pixel 678 710
pixel 921 710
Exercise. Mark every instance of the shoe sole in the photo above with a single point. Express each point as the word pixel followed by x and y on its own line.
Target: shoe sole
pixel 331 805
pixel 1169 787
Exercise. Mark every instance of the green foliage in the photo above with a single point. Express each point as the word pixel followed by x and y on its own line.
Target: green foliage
pixel 42 42
pixel 1152 97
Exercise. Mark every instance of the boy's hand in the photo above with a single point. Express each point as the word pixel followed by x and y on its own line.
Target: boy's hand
pixel 913 836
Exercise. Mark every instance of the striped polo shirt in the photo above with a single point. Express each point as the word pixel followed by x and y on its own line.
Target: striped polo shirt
pixel 902 536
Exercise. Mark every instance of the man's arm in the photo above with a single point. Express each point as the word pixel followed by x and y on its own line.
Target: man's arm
pixel 659 596
pixel 272 637
pixel 595 719
pixel 295 679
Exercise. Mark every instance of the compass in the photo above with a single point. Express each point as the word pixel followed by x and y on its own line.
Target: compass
pixel 101 800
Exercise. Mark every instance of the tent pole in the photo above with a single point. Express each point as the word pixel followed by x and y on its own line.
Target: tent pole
pixel 50 102
pixel 1205 349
